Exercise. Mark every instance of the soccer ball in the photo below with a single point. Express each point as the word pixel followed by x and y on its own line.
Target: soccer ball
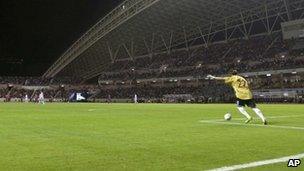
pixel 227 116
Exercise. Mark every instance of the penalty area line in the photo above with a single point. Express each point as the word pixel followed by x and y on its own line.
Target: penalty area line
pixel 269 117
pixel 258 163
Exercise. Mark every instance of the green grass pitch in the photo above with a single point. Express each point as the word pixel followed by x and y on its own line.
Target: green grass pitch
pixel 143 137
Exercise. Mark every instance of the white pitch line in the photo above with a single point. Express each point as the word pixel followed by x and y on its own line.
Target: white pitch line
pixel 258 163
pixel 255 125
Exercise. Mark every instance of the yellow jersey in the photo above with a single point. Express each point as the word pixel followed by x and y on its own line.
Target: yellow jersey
pixel 240 86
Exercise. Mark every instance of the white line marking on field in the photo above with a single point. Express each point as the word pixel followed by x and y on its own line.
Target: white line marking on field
pixel 259 163
pixel 255 125
pixel 221 121
pixel 91 110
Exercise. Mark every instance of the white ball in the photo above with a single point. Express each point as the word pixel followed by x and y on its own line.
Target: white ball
pixel 227 116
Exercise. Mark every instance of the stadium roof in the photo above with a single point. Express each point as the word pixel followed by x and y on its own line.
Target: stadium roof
pixel 145 27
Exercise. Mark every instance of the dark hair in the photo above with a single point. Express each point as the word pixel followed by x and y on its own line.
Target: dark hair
pixel 234 72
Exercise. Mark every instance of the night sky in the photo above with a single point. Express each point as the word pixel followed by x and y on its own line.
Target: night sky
pixel 34 33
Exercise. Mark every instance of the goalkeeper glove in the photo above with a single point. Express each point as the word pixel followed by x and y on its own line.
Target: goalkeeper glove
pixel 211 77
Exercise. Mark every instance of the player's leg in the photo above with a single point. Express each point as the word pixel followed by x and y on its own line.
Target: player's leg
pixel 260 114
pixel 257 111
pixel 240 107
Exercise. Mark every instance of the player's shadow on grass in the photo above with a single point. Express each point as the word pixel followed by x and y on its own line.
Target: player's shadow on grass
pixel 255 121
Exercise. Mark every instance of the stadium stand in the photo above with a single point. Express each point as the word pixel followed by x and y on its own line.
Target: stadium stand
pixel 143 47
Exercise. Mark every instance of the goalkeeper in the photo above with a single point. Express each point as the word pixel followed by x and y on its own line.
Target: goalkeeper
pixel 242 93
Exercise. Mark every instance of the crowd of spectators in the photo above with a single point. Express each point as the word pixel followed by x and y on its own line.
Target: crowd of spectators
pixel 256 54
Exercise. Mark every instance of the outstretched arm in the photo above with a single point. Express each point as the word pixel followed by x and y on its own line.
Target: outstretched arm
pixel 211 77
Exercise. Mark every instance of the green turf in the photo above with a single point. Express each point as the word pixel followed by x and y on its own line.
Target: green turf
pixel 141 137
